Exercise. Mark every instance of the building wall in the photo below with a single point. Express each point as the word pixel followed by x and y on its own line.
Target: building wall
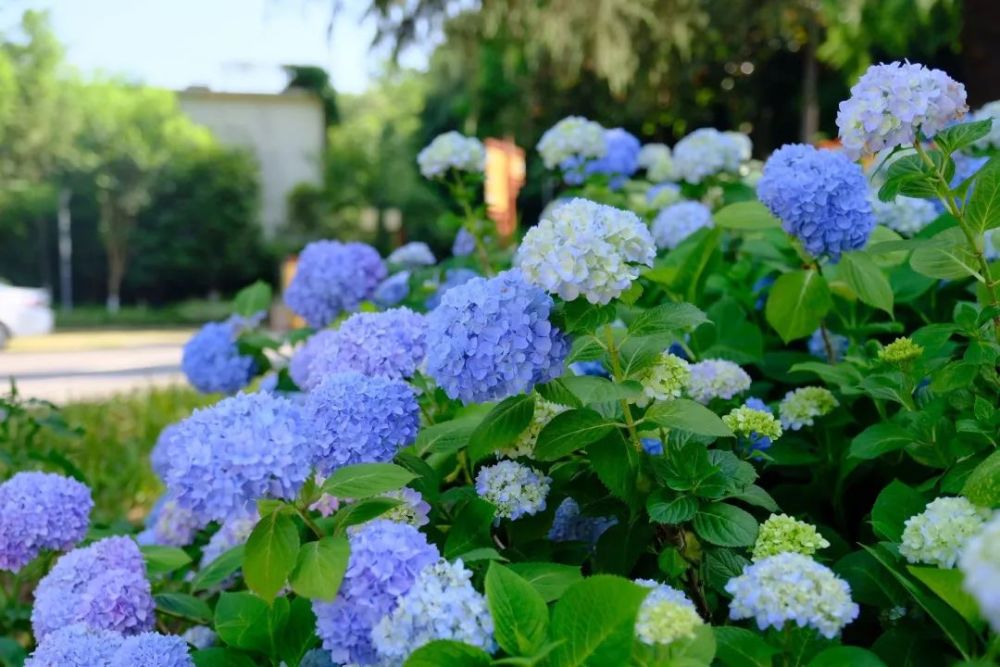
pixel 285 132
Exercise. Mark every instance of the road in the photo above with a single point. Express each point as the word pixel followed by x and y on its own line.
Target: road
pixel 69 367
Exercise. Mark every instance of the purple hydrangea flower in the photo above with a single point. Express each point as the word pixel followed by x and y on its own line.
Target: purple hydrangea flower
pixel 360 419
pixel 820 197
pixel 212 361
pixel 452 278
pixel 569 525
pixel 75 646
pixel 678 221
pixel 386 558
pixel 464 243
pixel 151 649
pixel 227 456
pixel 301 361
pixel 40 511
pixel 392 290
pixel 333 277
pixel 412 255
pixel 621 159
pixel 103 586
pixel 490 339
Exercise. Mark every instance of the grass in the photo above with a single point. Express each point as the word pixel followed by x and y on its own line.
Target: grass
pixel 183 314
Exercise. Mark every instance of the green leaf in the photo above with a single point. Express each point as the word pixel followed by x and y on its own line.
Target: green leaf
pixel 666 318
pixel 721 565
pixel 520 616
pixel 592 389
pixel 471 529
pixel 797 303
pixel 183 606
pixel 362 511
pixel 447 437
pixel 962 135
pixel 638 353
pixel 867 280
pixel 253 299
pixel 665 507
pixel 725 525
pixel 747 215
pixel 894 505
pixel 909 175
pixel 448 653
pixel 245 621
pixel 879 439
pixel 620 547
pixel 299 634
pixel 579 316
pixel 983 485
pixel 687 467
pixel 161 560
pixel 947 584
pixel 686 415
pixel 756 496
pixel 569 431
pixel 595 618
pixel 270 554
pixel 501 426
pixel 12 654
pixel 838 656
pixel 219 569
pixel 616 463
pixel 947 258
pixel 364 480
pixel 221 657
pixel 320 568
pixel 556 391
pixel 738 647
pixel 551 580
pixel 983 210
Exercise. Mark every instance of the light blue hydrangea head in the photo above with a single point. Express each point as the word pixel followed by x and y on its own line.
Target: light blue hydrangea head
pixel 40 511
pixel 452 278
pixel 515 489
pixel 228 456
pixel 412 255
pixel 170 525
pixel 151 649
pixel 892 104
pixel 569 525
pixel 621 159
pixel 212 361
pixel 678 221
pixel 491 338
pixel 658 162
pixel 102 586
pixel 392 290
pixel 389 344
pixel 572 137
pixel 595 368
pixel 451 151
pixel 75 646
pixel 386 558
pixel 302 358
pixel 838 344
pixel 360 419
pixel 200 636
pixel 333 277
pixel 981 570
pixel 716 378
pixel 662 195
pixel 706 152
pixel 820 197
pixel 464 243
pixel 583 248
pixel 159 457
pixel 989 110
pixel 904 215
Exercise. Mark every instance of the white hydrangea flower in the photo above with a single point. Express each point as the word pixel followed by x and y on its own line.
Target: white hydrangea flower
pixel 792 587
pixel 801 406
pixel 992 139
pixel 937 535
pixel 980 565
pixel 586 249
pixel 516 490
pixel 412 255
pixel 677 222
pixel 525 443
pixel 664 380
pixel 572 137
pixel 666 615
pixel 706 152
pixel 905 215
pixel 451 150
pixel 716 378
pixel 657 161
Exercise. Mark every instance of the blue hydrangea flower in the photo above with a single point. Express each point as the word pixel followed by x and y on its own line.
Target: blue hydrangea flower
pixel 464 243
pixel 716 378
pixel 820 197
pixel 572 137
pixel 390 344
pixel 652 446
pixel 583 248
pixel 451 150
pixel 489 339
pixel 200 636
pixel 414 510
pixel 333 277
pixel 706 152
pixel 392 290
pixel 762 288
pixel 989 110
pixel 40 511
pixel 302 358
pixel 966 166
pixel 360 419
pixel 621 159
pixel 316 658
pixel 151 649
pixel 905 215
pixel 441 604
pixel 595 368
pixel 412 255
pixel 228 456
pixel 515 489
pixel 102 586
pixel 891 104
pixel 662 195
pixel 677 222
pixel 75 646
pixel 838 343
pixel 212 361
pixel 658 162
pixel 159 457
pixel 233 532
pixel 452 278
pixel 385 559
pixel 569 525
pixel 170 525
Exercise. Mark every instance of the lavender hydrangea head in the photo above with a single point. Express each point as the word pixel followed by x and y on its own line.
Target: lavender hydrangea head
pixel 572 137
pixel 40 511
pixel 360 419
pixel 385 559
pixel 159 457
pixel 151 649
pixel 515 489
pixel 170 525
pixel 451 151
pixel 242 449
pixel 569 525
pixel 103 586
pixel 389 344
pixel 716 378
pixel 893 104
pixel 75 645
pixel 452 278
pixel 621 159
pixel 212 361
pixel 301 361
pixel 412 255
pixel 392 290
pixel 820 197
pixel 333 277
pixel 464 243
pixel 491 338
pixel 677 222
pixel 707 151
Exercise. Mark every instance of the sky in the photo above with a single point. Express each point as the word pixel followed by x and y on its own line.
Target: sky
pixel 227 45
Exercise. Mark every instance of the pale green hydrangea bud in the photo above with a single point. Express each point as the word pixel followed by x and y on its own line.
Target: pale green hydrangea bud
pixel 781 534
pixel 748 423
pixel 801 406
pixel 900 351
pixel 525 443
pixel 666 615
pixel 937 535
pixel 664 380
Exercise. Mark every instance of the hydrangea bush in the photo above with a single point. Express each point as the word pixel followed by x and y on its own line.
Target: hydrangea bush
pixel 704 414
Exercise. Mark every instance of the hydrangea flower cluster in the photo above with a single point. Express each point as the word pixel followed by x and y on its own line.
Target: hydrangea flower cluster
pixel 40 511
pixel 412 255
pixel 801 406
pixel 392 290
pixel 904 215
pixel 749 423
pixel 892 104
pixel 758 442
pixel 233 532
pixel 516 490
pixel 937 535
pixel 200 636
pixel 451 150
pixel 782 534
pixel 452 278
pixel 388 344
pixel 464 243
pixel 677 222
pixel 524 445
pixel 792 587
pixel 582 248
pixel 359 419
pixel 227 456
pixel 838 343
pixel 386 558
pixel 989 110
pixel 658 162
pixel 333 277
pixel 706 152
pixel 569 525
pixel 80 646
pixel 716 378
pixel 621 159
pixel 820 197
pixel 212 362
pixel 665 379
pixel 413 509
pixel 666 615
pixel 489 339
pixel 662 195
pixel 572 137
pixel 900 351
pixel 159 457
pixel 441 604
pixel 301 361
pixel 170 525
pixel 980 565
pixel 152 649
pixel 102 586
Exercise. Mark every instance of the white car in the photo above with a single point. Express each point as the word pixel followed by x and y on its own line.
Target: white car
pixel 24 311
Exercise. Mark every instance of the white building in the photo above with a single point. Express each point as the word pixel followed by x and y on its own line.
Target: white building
pixel 285 132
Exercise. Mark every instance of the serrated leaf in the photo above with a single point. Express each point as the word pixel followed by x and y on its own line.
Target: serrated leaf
pixel 879 439
pixel 671 509
pixel 501 426
pixel 797 303
pixel 687 415
pixel 666 318
pixel 739 647
pixel 867 280
pixel 983 210
pixel 725 525
pixel 448 653
pixel 364 480
pixel 447 437
pixel 551 580
pixel 947 585
pixel 595 619
pixel 320 568
pixel 270 554
pixel 520 615
pixel 962 135
pixel 569 431
pixel 219 569
pixel 948 258
pixel 183 606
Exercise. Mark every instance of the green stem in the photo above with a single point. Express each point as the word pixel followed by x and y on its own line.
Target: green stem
pixel 304 513
pixel 461 194
pixel 616 369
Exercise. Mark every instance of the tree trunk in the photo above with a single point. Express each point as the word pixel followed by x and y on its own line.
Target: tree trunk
pixel 116 224
pixel 810 91
pixel 980 36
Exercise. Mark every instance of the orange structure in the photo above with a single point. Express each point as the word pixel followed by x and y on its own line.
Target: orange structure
pixel 505 172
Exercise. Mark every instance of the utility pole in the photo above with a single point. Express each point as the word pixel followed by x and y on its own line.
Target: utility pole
pixel 65 251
